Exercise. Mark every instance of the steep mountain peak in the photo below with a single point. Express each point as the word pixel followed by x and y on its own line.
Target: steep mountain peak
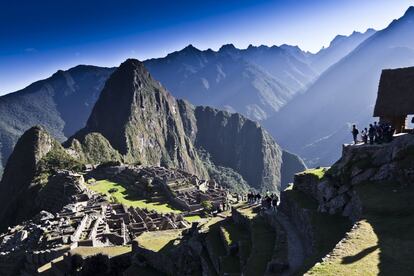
pixel 124 94
pixel 227 47
pixel 138 118
pixel 21 167
pixel 132 64
pixel 287 46
pixel 409 12
pixel 339 47
pixel 190 49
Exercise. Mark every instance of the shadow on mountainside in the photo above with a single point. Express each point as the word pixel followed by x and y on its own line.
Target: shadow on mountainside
pixel 359 256
pixel 389 209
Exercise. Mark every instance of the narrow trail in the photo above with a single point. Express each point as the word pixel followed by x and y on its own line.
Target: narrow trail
pixel 296 254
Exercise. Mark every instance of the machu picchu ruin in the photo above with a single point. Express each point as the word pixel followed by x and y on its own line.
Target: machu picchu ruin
pixel 272 159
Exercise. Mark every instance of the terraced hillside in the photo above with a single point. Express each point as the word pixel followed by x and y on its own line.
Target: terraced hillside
pixel 245 243
pixel 356 218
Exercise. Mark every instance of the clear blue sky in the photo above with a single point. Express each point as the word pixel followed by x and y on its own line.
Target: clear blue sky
pixel 39 37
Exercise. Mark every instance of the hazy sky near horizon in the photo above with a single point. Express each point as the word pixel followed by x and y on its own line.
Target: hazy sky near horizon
pixel 39 37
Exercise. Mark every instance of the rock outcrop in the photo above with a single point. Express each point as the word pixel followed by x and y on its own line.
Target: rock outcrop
pixel 20 170
pixel 141 121
pixel 335 192
pixel 25 187
pixel 236 142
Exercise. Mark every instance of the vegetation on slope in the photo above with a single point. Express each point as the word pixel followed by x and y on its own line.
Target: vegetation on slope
pixel 159 240
pixel 381 243
pixel 318 172
pixel 226 176
pixel 118 193
pixel 56 159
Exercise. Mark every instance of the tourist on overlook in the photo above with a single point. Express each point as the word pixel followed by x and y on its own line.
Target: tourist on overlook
pixel 376 133
pixel 275 199
pixel 355 133
pixel 371 134
pixel 258 198
pixel 364 134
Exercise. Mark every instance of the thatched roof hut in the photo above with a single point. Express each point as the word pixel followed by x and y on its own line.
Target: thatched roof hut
pixel 395 93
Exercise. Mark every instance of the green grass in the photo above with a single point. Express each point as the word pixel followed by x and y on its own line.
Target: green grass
pixel 382 244
pixel 159 240
pixel 320 172
pixel 111 251
pixel 248 211
pixel 192 218
pixel 121 196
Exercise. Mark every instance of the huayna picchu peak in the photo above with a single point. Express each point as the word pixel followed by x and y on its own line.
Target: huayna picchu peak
pixel 145 124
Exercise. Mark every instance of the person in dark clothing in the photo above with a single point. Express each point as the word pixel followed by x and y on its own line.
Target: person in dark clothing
pixel 355 133
pixel 268 201
pixel 258 198
pixel 371 134
pixel 376 133
pixel 274 202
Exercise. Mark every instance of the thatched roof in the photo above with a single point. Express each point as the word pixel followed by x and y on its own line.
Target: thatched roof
pixel 395 93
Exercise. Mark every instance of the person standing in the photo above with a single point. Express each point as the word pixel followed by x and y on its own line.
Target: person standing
pixel 371 134
pixel 355 133
pixel 376 132
pixel 274 202
pixel 364 134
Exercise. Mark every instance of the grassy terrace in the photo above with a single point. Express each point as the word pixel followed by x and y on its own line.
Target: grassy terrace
pixel 111 251
pixel 86 251
pixel 320 172
pixel 382 243
pixel 159 240
pixel 121 195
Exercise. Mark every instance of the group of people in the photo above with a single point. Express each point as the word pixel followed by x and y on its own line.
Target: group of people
pixel 375 133
pixel 268 201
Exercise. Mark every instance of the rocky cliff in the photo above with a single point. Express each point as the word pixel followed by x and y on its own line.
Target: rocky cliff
pixel 141 121
pixel 20 171
pixel 26 175
pixel 369 187
pixel 236 142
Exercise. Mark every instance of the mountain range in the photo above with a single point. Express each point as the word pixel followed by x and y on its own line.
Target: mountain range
pixel 319 120
pixel 232 79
